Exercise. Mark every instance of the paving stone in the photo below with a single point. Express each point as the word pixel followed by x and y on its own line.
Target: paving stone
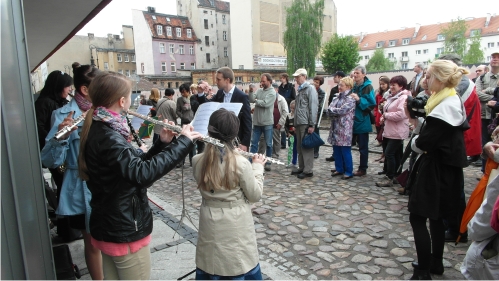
pixel 277 248
pixel 338 265
pixel 297 220
pixel 349 241
pixel 338 228
pixel 282 232
pixel 302 272
pixel 312 258
pixel 307 234
pixel 363 238
pixel 404 259
pixel 394 271
pixel 313 242
pixel 347 270
pixel 317 223
pixel 293 238
pixel 401 243
pixel 341 237
pixel 398 252
pixel 341 246
pixel 312 277
pixel 361 259
pixel 368 269
pixel 316 266
pixel 273 226
pixel 385 262
pixel 379 244
pixel 360 276
pixel 341 255
pixel 325 248
pixel 288 254
pixel 285 223
pixel 356 230
pixel 393 235
pixel 361 248
pixel 292 229
pixel 299 248
pixel 324 272
pixel 325 256
pixel 260 211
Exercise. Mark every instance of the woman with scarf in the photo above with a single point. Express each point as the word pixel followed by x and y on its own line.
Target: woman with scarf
pixel 118 176
pixel 229 184
pixel 74 200
pixel 436 179
pixel 395 129
pixel 341 110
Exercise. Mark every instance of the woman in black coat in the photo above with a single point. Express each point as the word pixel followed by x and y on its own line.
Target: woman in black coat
pixel 437 178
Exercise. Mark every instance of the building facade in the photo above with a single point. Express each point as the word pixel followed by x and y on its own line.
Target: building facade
pixel 211 21
pixel 165 45
pixel 408 46
pixel 257 34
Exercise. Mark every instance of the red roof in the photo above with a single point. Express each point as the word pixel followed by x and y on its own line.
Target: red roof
pixel 174 21
pixel 426 33
pixel 221 6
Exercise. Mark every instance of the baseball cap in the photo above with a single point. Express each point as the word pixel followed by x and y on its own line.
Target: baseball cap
pixel 300 71
pixel 340 73
pixel 495 53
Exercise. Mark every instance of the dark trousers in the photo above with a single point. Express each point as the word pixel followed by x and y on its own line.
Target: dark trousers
pixel 283 139
pixel 363 141
pixel 485 138
pixel 427 247
pixel 316 149
pixel 454 223
pixel 393 150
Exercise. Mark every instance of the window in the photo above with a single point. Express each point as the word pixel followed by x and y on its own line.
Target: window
pixel 226 52
pixel 120 71
pixel 404 54
pixel 241 66
pixel 205 24
pixel 474 32
pixel 418 52
pixel 208 60
pixel 169 31
pixel 127 73
pixel 440 37
pixel 162 48
pixel 191 50
pixel 159 29
pixel 223 19
pixel 126 58
pixel 225 35
pixel 193 65
pixel 179 32
pixel 392 43
pixel 172 48
pixel 207 40
pixel 379 44
pixel 424 37
pixel 405 41
pixel 366 57
pixel 239 79
pixel 173 68
pixel 134 72
pixel 118 56
pixel 163 66
pixel 490 45
pixel 489 58
pixel 133 58
pixel 182 65
pixel 425 51
pixel 189 33
pixel 106 66
pixel 440 50
pixel 391 55
pixel 404 65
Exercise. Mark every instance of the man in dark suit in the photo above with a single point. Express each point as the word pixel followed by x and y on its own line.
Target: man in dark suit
pixel 228 92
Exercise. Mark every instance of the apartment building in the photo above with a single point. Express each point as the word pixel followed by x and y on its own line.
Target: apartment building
pixel 211 21
pixel 408 46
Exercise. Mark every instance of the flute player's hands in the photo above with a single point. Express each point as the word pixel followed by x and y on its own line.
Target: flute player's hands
pixel 188 131
pixel 166 135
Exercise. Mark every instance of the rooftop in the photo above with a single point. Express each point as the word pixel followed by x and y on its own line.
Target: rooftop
pixel 174 21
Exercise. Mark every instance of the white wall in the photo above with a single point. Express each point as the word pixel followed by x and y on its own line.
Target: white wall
pixel 143 44
pixel 240 32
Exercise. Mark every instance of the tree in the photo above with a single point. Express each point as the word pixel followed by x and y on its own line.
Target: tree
pixel 303 35
pixel 455 42
pixel 474 54
pixel 379 62
pixel 340 53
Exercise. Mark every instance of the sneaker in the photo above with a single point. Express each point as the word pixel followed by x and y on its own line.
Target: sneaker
pixel 386 182
pixel 267 167
pixel 303 175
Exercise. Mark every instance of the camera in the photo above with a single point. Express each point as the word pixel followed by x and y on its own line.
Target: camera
pixel 416 106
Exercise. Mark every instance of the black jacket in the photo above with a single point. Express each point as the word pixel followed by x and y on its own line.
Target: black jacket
pixel 288 92
pixel 119 176
pixel 44 106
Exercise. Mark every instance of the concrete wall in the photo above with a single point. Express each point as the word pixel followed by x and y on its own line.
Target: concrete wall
pixel 241 33
pixel 143 44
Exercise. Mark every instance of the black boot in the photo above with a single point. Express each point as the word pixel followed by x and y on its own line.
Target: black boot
pixel 420 274
pixel 436 266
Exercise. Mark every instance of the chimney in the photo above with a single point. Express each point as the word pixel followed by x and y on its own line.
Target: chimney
pixel 416 30
pixel 362 35
pixel 151 9
pixel 91 36
pixel 487 21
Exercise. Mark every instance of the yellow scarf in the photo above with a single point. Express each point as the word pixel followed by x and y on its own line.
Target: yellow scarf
pixel 435 99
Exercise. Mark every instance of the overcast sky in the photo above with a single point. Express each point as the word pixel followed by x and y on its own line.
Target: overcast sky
pixel 353 16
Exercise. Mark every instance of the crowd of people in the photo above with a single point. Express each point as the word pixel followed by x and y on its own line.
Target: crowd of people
pixel 103 185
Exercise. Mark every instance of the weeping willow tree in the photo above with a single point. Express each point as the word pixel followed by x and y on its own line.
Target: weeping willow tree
pixel 303 35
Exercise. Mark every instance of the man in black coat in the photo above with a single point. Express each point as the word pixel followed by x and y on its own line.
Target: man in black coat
pixel 228 92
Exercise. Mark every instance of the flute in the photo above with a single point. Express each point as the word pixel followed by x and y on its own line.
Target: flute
pixel 67 129
pixel 134 134
pixel 249 154
pixel 176 129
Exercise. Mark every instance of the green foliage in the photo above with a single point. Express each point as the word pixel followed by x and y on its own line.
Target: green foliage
pixel 302 38
pixel 379 62
pixel 455 42
pixel 474 54
pixel 340 53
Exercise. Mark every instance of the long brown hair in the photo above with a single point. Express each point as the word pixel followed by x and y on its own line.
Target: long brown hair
pixel 105 90
pixel 223 125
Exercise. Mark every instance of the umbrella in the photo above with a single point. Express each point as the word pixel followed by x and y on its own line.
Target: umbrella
pixel 476 198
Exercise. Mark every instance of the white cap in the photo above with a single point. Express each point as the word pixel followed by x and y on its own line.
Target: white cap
pixel 300 71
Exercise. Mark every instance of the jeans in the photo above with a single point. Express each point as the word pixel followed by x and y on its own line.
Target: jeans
pixel 255 138
pixel 343 160
pixel 393 150
pixel 316 149
pixel 254 274
pixel 363 141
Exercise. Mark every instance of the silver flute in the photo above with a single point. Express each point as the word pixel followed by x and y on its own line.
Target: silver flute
pixel 67 129
pixel 249 154
pixel 176 129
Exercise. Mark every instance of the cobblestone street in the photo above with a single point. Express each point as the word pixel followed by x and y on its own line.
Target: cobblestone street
pixel 328 228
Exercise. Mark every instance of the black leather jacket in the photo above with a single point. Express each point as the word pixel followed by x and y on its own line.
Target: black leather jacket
pixel 118 178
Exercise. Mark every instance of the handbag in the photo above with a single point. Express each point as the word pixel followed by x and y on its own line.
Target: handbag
pixel 312 140
pixel 402 178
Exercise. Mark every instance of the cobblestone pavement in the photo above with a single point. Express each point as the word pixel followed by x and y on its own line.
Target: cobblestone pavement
pixel 328 228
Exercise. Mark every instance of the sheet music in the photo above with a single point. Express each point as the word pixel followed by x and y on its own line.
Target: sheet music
pixel 202 117
pixel 144 110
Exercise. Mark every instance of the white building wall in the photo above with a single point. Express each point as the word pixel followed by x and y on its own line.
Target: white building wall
pixel 143 44
pixel 241 34
pixel 222 44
